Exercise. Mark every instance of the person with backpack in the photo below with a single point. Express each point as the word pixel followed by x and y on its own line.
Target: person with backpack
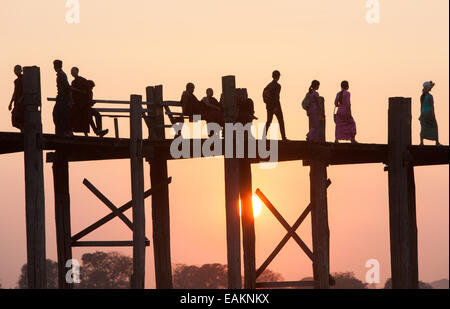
pixel 314 111
pixel 428 123
pixel 271 96
pixel 345 124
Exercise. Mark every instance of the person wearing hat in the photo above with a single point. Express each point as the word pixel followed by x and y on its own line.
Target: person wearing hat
pixel 429 127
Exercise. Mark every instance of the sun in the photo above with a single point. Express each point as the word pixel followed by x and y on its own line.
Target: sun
pixel 257 206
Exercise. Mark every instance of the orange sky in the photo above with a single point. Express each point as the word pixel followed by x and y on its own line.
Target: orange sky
pixel 126 46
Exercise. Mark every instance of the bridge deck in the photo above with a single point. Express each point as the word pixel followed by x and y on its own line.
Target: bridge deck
pixel 80 148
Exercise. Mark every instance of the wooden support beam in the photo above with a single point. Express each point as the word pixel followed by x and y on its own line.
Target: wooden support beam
pixel 231 166
pixel 111 216
pixel 62 216
pixel 34 180
pixel 111 243
pixel 137 190
pixel 319 217
pixel 248 223
pixel 160 198
pixel 402 205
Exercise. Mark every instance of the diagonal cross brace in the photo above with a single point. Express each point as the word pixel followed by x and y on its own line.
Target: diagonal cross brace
pixel 291 231
pixel 114 213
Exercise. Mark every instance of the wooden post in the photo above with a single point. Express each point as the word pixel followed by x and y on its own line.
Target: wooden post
pixel 248 223
pixel 160 197
pixel 319 216
pixel 402 205
pixel 34 180
pixel 232 191
pixel 116 127
pixel 137 189
pixel 62 216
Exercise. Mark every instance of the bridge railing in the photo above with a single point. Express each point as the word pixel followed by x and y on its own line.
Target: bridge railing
pixel 116 113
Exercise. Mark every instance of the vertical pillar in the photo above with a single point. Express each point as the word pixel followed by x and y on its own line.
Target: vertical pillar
pixel 402 205
pixel 248 223
pixel 62 216
pixel 319 216
pixel 231 166
pixel 34 180
pixel 160 197
pixel 137 189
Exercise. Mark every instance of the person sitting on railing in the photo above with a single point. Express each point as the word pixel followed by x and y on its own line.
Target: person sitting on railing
pixel 211 109
pixel 189 102
pixel 82 111
pixel 18 112
pixel 97 126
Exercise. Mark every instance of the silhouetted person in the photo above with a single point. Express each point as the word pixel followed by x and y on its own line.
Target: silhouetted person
pixel 63 105
pixel 189 102
pixel 212 110
pixel 18 112
pixel 246 111
pixel 271 96
pixel 315 112
pixel 82 112
pixel 345 124
pixel 97 126
pixel 428 123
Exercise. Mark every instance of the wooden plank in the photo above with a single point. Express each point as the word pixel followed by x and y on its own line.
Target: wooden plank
pixel 62 216
pixel 319 217
pixel 137 191
pixel 160 198
pixel 248 224
pixel 285 284
pixel 34 180
pixel 105 243
pixel 231 166
pixel 402 212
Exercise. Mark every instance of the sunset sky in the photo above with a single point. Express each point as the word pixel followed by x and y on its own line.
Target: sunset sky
pixel 125 46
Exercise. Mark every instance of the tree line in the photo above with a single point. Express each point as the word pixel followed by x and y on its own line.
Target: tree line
pixel 112 270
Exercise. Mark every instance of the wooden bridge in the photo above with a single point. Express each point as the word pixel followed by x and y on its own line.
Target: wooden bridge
pixel 398 156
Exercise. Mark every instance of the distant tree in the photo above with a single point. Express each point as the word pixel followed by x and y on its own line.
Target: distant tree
pixel 101 270
pixel 211 276
pixel 208 276
pixel 347 280
pixel 344 280
pixel 269 276
pixel 422 285
pixel 52 276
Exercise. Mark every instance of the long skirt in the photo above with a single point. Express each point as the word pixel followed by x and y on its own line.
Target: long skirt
pixel 314 127
pixel 345 125
pixel 61 117
pixel 429 127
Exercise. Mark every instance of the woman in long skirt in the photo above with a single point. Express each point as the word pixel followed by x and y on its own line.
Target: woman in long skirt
pixel 345 124
pixel 314 113
pixel 428 124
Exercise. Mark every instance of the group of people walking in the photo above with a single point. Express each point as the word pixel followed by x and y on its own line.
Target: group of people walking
pixel 74 112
